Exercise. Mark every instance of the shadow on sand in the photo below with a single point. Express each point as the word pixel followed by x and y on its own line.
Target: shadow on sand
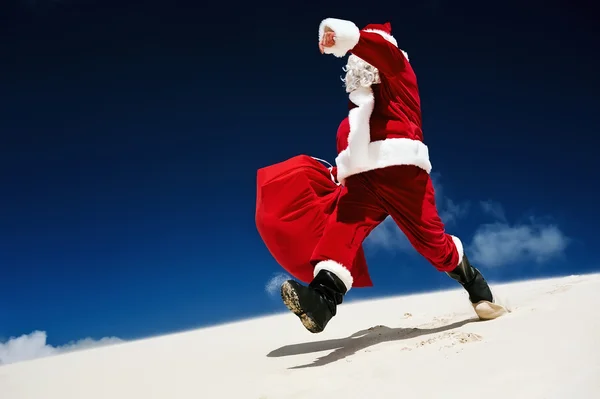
pixel 344 347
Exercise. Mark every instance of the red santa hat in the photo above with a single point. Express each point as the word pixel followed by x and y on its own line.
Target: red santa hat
pixel 384 30
pixel 347 34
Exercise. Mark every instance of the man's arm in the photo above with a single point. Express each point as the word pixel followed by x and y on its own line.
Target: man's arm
pixel 369 46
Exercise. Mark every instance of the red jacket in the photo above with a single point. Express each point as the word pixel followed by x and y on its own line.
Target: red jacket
pixel 383 127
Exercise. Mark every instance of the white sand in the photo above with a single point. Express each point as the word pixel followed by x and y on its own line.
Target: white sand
pixel 421 346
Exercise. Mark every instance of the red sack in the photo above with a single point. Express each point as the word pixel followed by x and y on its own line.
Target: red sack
pixel 294 198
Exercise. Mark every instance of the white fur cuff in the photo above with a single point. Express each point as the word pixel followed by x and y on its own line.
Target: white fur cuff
pixel 337 269
pixel 347 35
pixel 459 248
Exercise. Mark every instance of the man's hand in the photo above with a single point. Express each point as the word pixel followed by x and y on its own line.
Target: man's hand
pixel 328 39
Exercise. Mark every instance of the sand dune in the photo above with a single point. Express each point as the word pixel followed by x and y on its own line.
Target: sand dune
pixel 419 346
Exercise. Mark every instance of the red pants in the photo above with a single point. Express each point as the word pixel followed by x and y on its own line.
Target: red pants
pixel 403 192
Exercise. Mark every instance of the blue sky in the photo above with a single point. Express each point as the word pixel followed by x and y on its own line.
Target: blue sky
pixel 131 133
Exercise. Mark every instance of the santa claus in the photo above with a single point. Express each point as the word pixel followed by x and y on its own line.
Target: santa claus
pixel 384 167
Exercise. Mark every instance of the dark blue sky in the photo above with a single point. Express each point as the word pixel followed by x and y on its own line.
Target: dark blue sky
pixel 131 132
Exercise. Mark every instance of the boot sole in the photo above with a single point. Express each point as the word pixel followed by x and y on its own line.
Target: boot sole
pixel 290 299
pixel 488 311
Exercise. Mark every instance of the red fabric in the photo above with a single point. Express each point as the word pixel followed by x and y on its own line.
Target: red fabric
pixel 403 192
pixel 294 199
pixel 397 112
pixel 386 27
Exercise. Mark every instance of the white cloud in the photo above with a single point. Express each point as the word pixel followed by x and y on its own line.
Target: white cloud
pixel 449 210
pixel 274 284
pixel 33 346
pixel 502 243
pixel 499 244
pixel 388 236
pixel 494 209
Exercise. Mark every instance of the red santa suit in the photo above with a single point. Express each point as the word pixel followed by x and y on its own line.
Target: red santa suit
pixel 382 160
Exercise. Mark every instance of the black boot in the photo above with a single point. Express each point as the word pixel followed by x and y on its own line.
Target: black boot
pixel 479 291
pixel 472 281
pixel 316 304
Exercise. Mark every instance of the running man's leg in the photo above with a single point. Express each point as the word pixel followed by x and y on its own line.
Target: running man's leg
pixel 408 196
pixel 356 214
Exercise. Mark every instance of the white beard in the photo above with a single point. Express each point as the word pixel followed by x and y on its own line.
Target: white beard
pixel 359 73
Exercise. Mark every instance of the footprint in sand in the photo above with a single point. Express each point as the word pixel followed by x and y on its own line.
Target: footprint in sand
pixel 454 337
pixel 566 285
pixel 464 338
pixel 559 289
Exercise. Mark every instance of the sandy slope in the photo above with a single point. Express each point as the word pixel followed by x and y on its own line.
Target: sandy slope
pixel 421 346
